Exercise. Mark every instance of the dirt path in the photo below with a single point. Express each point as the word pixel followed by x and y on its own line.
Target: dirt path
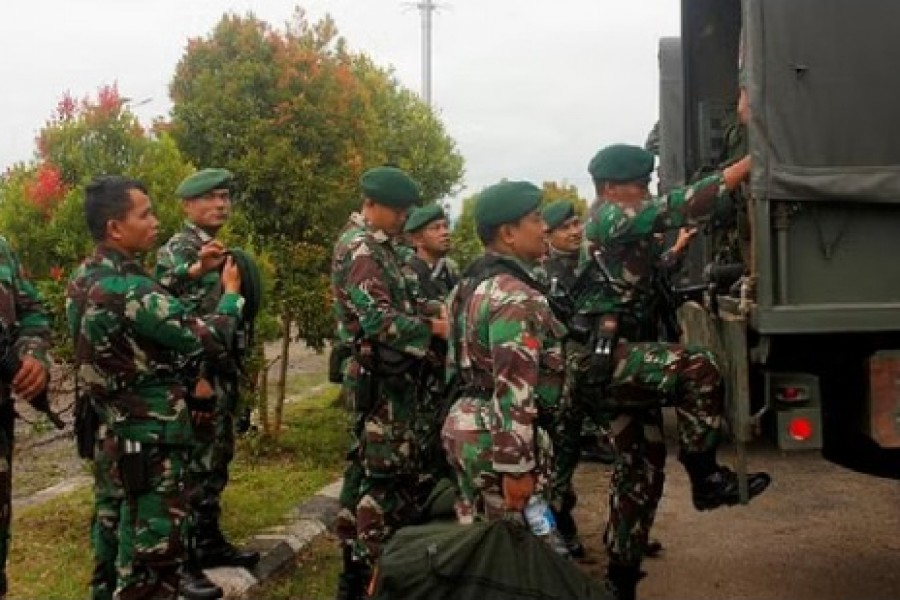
pixel 820 532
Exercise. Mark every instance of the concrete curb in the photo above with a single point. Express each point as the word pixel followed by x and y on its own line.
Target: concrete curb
pixel 279 546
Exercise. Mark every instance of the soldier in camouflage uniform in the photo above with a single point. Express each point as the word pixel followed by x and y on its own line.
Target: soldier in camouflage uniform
pixel 188 265
pixel 432 275
pixel 133 343
pixel 428 230
pixel 643 374
pixel 505 359
pixel 565 232
pixel 376 313
pixel 27 329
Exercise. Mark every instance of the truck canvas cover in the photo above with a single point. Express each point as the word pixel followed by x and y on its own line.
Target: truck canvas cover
pixel 814 62
pixel 671 114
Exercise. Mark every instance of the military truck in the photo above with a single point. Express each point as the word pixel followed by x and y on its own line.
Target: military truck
pixel 812 355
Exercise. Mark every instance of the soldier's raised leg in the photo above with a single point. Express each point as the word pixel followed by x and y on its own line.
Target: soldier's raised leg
pixel 688 379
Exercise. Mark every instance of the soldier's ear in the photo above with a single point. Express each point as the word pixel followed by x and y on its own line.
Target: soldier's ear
pixel 506 234
pixel 114 230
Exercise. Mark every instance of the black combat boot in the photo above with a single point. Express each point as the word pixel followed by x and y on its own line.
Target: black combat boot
pixel 354 579
pixel 194 579
pixel 568 530
pixel 721 488
pixel 210 546
pixel 623 580
pixel 195 585
pixel 713 485
pixel 653 548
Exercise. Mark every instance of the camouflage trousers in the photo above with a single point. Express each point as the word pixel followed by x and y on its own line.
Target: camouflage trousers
pixel 380 485
pixel 6 452
pixel 137 537
pixel 469 449
pixel 637 483
pixel 213 451
pixel 646 377
pixel 566 434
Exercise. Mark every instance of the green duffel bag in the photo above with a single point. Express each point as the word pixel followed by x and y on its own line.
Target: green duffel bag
pixel 497 561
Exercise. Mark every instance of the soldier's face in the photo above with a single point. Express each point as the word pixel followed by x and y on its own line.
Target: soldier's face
pixel 137 231
pixel 389 219
pixel 434 238
pixel 567 237
pixel 527 238
pixel 209 211
pixel 627 193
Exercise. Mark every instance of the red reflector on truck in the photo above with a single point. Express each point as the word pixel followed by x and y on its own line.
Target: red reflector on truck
pixel 790 393
pixel 800 429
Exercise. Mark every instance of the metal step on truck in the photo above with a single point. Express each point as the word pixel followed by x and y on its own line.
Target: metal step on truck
pixel 809 336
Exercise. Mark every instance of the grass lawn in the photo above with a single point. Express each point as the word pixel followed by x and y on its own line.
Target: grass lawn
pixel 50 556
pixel 315 577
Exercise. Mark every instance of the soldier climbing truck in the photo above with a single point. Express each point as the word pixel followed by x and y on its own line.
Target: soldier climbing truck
pixel 806 319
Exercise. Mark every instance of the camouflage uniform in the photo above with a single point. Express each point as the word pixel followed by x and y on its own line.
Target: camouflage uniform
pixel 431 289
pixel 505 349
pixel 647 374
pixel 373 301
pixel 21 313
pixel 434 285
pixel 580 414
pixel 133 342
pixel 214 448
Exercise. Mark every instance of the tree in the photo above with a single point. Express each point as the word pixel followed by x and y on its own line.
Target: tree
pixel 298 118
pixel 467 246
pixel 464 237
pixel 408 133
pixel 41 201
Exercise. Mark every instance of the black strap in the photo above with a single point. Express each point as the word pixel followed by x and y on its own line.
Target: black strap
pixel 430 288
pixel 491 265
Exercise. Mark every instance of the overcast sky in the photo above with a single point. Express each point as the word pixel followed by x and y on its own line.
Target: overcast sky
pixel 529 90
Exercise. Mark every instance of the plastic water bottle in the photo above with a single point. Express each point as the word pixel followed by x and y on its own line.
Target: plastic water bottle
pixel 539 516
pixel 542 524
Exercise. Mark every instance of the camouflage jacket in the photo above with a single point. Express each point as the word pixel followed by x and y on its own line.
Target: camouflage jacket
pixel 505 347
pixel 432 283
pixel 22 312
pixel 627 241
pixel 133 343
pixel 173 260
pixel 560 266
pixel 372 296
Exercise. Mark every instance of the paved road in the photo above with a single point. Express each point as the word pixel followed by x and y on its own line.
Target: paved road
pixel 820 532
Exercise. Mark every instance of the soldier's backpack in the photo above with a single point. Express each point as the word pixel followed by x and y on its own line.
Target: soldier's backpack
pixel 500 560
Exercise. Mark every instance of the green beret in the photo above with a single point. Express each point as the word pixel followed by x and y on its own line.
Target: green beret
pixel 422 216
pixel 557 213
pixel 506 202
pixel 251 283
pixel 203 181
pixel 621 162
pixel 390 186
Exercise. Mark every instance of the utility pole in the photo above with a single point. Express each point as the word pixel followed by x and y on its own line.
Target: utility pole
pixel 427 7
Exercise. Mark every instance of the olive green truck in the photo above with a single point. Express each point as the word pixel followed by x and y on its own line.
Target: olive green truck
pixel 811 342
